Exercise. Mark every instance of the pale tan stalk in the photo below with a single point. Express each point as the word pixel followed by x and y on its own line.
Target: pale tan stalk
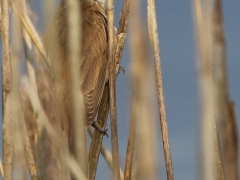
pixel 27 146
pixel 218 164
pixel 97 137
pixel 142 97
pixel 8 138
pixel 30 29
pixel 112 88
pixel 80 136
pixel 204 38
pixel 121 32
pixel 6 83
pixel 224 107
pixel 130 148
pixel 120 40
pixel 106 153
pixel 134 170
pixel 6 61
pixel 16 111
pixel 153 34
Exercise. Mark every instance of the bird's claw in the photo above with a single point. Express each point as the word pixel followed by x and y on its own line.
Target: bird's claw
pixel 105 132
pixel 99 129
pixel 120 69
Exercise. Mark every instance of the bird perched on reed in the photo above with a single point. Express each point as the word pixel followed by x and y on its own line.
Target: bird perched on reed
pixel 93 60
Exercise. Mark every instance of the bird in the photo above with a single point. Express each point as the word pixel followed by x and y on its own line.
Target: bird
pixel 93 61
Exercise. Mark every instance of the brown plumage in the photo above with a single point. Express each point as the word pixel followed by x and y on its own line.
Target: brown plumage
pixel 93 70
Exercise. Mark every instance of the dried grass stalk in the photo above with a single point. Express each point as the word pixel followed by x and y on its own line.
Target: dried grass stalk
pixel 8 139
pixel 97 138
pixel 6 62
pixel 23 128
pixel 32 32
pixel 112 89
pixel 40 144
pixel 141 98
pixel 16 110
pixel 134 171
pixel 153 34
pixel 107 155
pixel 121 32
pixel 224 107
pixel 218 164
pixel 216 105
pixel 130 148
pixel 203 15
pixel 79 124
pixel 6 83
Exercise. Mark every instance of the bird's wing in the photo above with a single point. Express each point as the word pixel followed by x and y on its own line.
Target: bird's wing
pixel 93 69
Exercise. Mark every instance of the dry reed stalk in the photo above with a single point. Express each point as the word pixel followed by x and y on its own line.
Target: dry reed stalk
pixel 141 98
pixel 32 32
pixel 40 145
pixel 97 137
pixel 28 150
pixel 121 32
pixel 130 148
pixel 107 155
pixel 6 70
pixel 203 17
pixel 27 146
pixel 79 124
pixel 112 89
pixel 16 110
pixel 8 138
pixel 224 107
pixel 153 34
pixel 134 171
pixel 6 83
pixel 22 143
pixel 218 164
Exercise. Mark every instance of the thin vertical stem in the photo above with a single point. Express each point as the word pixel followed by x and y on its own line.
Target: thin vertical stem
pixel 6 83
pixel 142 97
pixel 130 149
pixel 6 62
pixel 32 32
pixel 98 136
pixel 121 32
pixel 112 88
pixel 16 46
pixel 224 107
pixel 27 146
pixel 153 34
pixel 79 128
pixel 204 37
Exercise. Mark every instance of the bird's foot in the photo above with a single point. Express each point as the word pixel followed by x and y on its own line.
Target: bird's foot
pixel 101 130
pixel 120 69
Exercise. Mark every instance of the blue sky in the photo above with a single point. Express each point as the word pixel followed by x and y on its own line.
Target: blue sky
pixel 179 69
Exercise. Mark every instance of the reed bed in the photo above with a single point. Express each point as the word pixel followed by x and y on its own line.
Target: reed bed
pixel 36 147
